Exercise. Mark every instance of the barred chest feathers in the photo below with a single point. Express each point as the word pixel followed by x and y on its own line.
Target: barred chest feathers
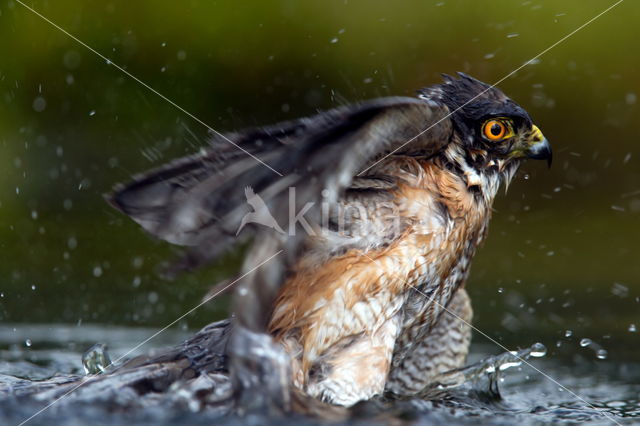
pixel 371 304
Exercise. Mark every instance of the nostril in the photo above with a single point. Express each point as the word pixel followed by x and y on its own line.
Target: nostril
pixel 536 134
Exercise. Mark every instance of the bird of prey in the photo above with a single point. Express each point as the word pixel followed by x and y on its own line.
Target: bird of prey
pixel 369 296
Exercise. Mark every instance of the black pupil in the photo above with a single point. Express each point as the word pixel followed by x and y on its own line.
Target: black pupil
pixel 496 129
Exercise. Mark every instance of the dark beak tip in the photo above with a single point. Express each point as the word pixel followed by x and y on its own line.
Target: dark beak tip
pixel 549 158
pixel 542 151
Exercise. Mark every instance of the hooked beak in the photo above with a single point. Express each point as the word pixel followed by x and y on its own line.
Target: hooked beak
pixel 538 147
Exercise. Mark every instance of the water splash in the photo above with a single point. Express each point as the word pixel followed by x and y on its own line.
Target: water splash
pixel 600 352
pixel 488 369
pixel 96 359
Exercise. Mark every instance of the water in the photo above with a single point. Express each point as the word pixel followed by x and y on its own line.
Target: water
pixel 489 368
pixel 96 359
pixel 526 386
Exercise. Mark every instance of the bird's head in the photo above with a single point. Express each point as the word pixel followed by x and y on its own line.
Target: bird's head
pixel 489 125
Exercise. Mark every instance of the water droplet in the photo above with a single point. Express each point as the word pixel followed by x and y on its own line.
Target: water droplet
pixel 92 113
pixel 334 40
pixel 507 365
pixel 97 271
pixel 632 328
pixel 28 343
pixel 33 287
pixel 39 104
pixel 568 333
pixel 34 214
pixel 512 35
pixel 602 354
pixel 72 243
pixel 96 359
pixel 84 184
pixel 538 350
pixel 585 342
pixel 620 290
pixel 500 290
pixel 631 98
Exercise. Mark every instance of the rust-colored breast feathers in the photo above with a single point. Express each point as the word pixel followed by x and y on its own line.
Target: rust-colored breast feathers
pixel 355 302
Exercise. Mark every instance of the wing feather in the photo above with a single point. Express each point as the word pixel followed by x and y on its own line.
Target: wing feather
pixel 199 200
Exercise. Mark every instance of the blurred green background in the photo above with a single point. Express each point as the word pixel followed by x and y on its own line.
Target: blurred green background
pixel 563 248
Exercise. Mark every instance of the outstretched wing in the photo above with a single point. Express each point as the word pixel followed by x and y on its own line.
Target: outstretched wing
pixel 199 200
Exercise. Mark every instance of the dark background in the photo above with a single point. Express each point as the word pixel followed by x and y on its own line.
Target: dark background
pixel 563 248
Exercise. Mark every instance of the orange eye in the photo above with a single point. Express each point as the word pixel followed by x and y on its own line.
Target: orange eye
pixel 494 130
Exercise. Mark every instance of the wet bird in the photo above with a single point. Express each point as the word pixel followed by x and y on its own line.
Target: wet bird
pixel 369 295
